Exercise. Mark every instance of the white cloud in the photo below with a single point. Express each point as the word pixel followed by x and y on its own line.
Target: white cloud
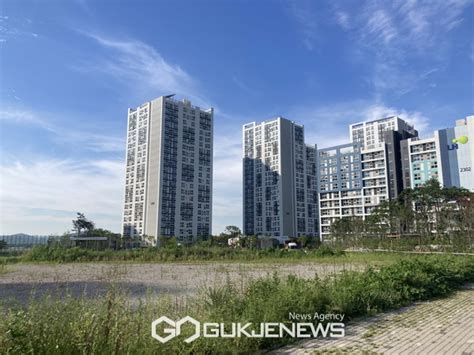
pixel 136 62
pixel 15 28
pixel 86 139
pixel 329 125
pixel 305 16
pixel 227 183
pixel 408 25
pixel 343 19
pixel 393 34
pixel 380 27
pixel 42 196
pixel 244 86
pixel 416 118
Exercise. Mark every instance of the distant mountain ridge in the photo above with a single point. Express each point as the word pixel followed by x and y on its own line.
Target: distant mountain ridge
pixel 24 239
pixel 24 235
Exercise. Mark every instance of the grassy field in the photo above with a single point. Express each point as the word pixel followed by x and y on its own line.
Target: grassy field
pixel 197 254
pixel 111 324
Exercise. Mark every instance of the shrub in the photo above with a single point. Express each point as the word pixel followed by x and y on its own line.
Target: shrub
pixel 326 250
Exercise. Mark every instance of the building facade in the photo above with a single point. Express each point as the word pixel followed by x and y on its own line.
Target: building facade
pixel 279 180
pixel 424 161
pixel 448 156
pixel 168 182
pixel 456 154
pixel 398 168
pixel 372 133
pixel 355 178
pixel 340 184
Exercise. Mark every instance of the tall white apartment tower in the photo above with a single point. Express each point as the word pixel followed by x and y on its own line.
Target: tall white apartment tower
pixel 168 182
pixel 371 133
pixel 381 162
pixel 279 180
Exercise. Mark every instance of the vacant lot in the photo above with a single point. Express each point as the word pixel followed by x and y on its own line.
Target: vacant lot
pixel 111 323
pixel 19 282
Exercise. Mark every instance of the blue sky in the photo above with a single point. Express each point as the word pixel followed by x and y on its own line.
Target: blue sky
pixel 70 70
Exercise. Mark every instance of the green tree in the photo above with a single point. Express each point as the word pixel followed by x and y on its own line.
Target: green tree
pixel 386 218
pixel 347 231
pixel 167 242
pixel 3 244
pixel 466 219
pixel 231 232
pixel 249 241
pixel 82 223
pixel 406 212
pixel 304 241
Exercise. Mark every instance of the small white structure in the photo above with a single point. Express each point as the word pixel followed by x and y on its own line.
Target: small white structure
pixel 292 245
pixel 233 242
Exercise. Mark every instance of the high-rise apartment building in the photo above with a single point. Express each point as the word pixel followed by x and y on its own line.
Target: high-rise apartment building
pixel 448 156
pixel 279 180
pixel 168 183
pixel 385 136
pixel 355 178
pixel 372 133
pixel 340 184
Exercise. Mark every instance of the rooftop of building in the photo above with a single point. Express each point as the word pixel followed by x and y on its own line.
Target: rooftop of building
pixel 384 119
pixel 183 101
pixel 341 146
pixel 270 120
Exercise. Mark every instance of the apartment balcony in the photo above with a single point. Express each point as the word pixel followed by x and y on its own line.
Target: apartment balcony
pixel 372 159
pixel 373 167
pixel 374 177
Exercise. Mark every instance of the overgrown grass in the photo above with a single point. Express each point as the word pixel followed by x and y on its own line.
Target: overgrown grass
pixel 460 243
pixel 193 253
pixel 113 325
pixel 197 254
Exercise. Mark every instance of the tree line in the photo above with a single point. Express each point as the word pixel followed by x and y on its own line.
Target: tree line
pixel 432 212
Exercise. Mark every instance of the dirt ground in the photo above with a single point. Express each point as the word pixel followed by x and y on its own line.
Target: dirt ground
pixel 22 282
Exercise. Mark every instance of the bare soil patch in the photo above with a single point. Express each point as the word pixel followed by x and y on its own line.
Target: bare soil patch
pixel 22 282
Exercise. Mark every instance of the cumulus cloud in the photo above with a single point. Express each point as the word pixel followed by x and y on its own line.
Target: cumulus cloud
pixel 42 196
pixel 415 118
